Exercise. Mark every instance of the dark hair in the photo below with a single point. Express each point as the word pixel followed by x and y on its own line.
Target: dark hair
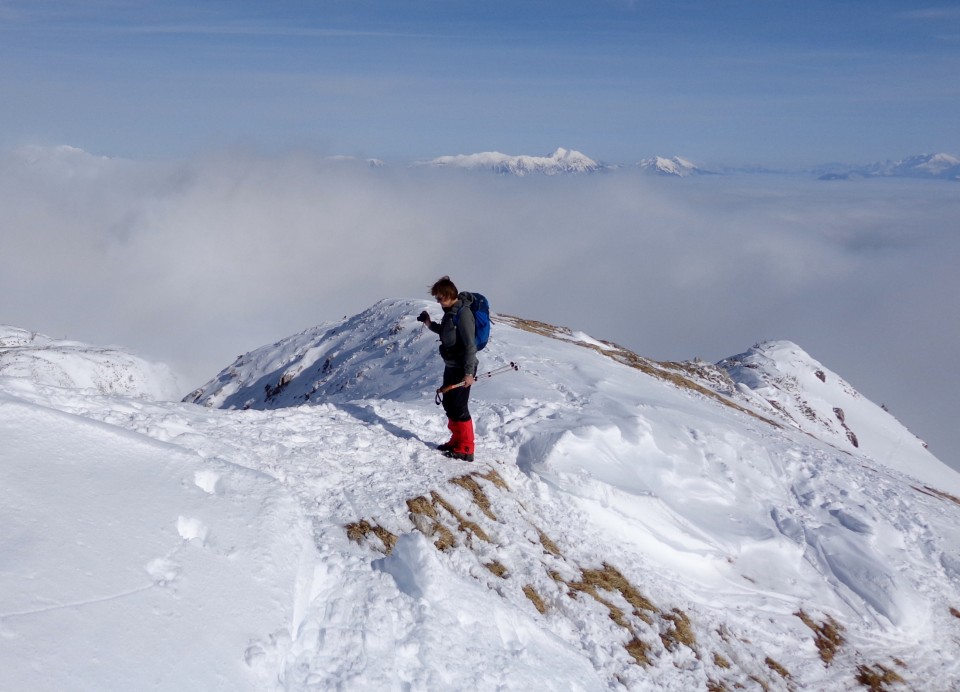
pixel 444 288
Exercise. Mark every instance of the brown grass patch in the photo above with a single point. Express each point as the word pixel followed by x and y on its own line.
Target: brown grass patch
pixel 777 668
pixel 464 525
pixel 548 544
pixel 541 328
pixel 423 506
pixel 826 635
pixel 609 578
pixel 359 530
pixel 877 678
pixel 927 490
pixel 494 478
pixel 470 484
pixel 445 538
pixel 680 632
pixel 534 597
pixel 430 526
pixel 497 568
pixel 720 661
pixel 638 650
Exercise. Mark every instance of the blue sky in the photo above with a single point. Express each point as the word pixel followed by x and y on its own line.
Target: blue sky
pixel 771 81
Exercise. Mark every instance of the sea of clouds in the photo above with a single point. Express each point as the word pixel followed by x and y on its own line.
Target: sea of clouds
pixel 193 262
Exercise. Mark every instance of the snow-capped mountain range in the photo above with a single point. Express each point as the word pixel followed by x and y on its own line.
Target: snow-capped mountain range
pixel 929 166
pixel 560 161
pixel 73 161
pixel 628 524
pixel 925 166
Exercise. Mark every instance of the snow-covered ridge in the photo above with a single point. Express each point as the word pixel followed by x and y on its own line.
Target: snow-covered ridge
pixel 928 166
pixel 351 359
pixel 355 358
pixel 60 363
pixel 786 383
pixel 628 524
pixel 560 161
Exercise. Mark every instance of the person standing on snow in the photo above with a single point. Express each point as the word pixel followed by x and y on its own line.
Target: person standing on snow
pixel 458 348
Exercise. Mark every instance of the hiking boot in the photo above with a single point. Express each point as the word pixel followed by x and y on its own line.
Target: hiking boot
pixel 462 456
pixel 454 438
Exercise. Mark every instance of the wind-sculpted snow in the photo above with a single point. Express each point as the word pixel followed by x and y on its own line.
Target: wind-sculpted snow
pixel 622 528
pixel 72 364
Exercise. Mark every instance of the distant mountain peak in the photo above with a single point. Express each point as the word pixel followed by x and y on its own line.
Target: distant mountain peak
pixel 560 161
pixel 675 166
pixel 934 164
pixel 940 166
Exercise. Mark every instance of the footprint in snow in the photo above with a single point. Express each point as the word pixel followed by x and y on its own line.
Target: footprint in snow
pixel 207 481
pixel 162 570
pixel 190 529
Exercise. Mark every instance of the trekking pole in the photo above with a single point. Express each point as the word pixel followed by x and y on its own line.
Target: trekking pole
pixel 486 375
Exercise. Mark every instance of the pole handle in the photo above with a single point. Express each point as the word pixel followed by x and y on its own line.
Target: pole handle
pixel 443 390
pixel 446 388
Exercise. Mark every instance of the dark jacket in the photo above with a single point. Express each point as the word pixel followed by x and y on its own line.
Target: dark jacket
pixel 458 342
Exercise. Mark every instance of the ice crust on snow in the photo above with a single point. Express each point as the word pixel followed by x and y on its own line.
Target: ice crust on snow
pixel 627 524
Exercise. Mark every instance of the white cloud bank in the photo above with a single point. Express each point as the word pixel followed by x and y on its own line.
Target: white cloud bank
pixel 195 262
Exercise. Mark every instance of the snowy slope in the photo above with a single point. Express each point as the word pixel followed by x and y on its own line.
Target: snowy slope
pixel 129 563
pixel 787 383
pixel 560 161
pixel 61 363
pixel 627 525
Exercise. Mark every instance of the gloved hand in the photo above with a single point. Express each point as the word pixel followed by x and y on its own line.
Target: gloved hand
pixel 424 317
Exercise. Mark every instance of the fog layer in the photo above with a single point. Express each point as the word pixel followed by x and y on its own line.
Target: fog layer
pixel 194 262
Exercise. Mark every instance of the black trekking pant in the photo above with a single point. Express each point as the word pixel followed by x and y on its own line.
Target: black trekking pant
pixel 456 401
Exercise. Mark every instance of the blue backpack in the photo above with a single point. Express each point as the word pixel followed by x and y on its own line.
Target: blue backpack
pixel 481 317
